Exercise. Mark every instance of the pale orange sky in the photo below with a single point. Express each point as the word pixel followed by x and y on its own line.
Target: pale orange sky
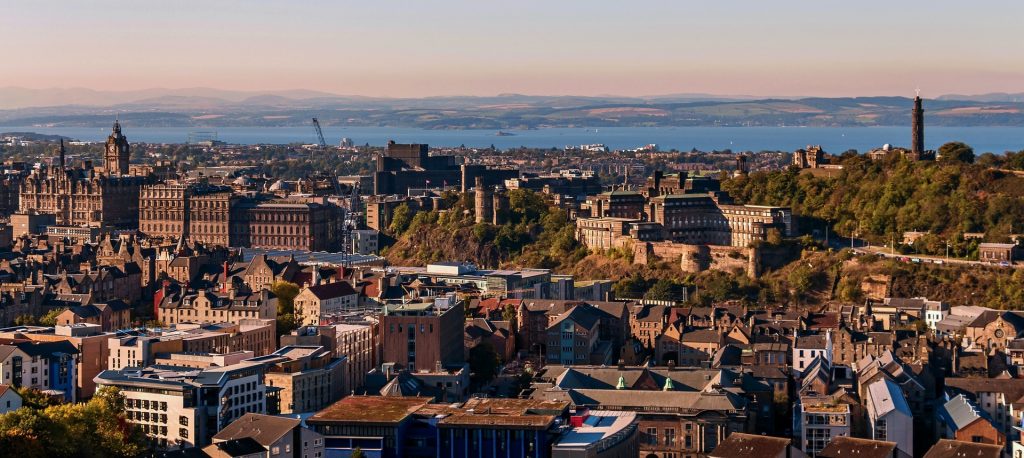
pixel 399 49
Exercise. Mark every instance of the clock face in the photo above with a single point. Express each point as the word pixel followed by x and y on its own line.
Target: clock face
pixel 999 333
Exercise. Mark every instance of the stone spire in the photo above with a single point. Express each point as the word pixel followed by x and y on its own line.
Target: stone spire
pixel 62 154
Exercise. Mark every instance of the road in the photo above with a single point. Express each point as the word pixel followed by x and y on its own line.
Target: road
pixel 863 247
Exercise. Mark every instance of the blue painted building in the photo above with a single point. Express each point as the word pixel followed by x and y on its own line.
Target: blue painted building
pixel 45 366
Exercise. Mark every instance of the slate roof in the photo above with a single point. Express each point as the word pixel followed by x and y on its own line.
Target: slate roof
pixel 264 429
pixel 740 445
pixel 332 290
pixel 683 401
pixel 959 412
pixel 885 397
pixel 947 448
pixel 844 446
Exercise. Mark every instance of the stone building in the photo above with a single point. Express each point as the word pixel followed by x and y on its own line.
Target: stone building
pixel 713 219
pixel 85 196
pixel 811 158
pixel 309 377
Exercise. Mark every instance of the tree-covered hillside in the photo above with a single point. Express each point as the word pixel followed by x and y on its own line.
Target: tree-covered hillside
pixel 879 200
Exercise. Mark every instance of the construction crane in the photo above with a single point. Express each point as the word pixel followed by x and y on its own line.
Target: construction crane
pixel 319 134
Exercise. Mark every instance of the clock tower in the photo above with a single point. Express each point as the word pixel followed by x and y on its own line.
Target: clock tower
pixel 115 158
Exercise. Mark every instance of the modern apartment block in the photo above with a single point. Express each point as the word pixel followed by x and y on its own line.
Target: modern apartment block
pixel 185 407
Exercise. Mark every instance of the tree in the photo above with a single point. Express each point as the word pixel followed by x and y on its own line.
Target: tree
pixel 483 363
pixel 358 453
pixel 25 320
pixel 96 428
pixel 401 218
pixel 801 279
pixel 509 314
pixel 50 318
pixel 285 324
pixel 285 292
pixel 31 397
pixel 956 152
pixel 664 290
pixel 632 287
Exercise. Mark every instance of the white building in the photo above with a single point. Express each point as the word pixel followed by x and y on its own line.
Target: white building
pixel 365 241
pixel 809 347
pixel 50 367
pixel 10 400
pixel 934 312
pixel 820 418
pixel 889 416
pixel 182 406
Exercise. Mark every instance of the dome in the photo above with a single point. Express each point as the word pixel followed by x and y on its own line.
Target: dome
pixel 280 185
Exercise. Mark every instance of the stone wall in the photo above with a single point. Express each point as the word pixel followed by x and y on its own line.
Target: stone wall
pixel 698 258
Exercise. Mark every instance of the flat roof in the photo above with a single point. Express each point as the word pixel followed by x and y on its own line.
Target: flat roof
pixel 370 409
pixel 598 426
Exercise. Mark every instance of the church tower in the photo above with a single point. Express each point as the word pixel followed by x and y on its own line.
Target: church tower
pixel 917 128
pixel 115 159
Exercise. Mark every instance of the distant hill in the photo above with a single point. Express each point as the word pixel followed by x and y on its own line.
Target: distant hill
pixel 990 97
pixel 204 107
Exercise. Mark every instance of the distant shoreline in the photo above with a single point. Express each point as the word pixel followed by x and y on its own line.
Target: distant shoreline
pixel 834 140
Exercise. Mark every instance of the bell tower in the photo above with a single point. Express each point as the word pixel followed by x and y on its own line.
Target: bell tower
pixel 115 158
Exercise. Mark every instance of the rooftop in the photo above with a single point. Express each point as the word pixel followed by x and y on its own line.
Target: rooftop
pixel 947 448
pixel 740 445
pixel 370 409
pixel 843 446
pixel 600 425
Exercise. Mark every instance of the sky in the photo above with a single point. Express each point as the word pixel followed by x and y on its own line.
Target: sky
pixel 552 47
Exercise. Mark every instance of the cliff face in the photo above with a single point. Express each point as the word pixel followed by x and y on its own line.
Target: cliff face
pixel 434 243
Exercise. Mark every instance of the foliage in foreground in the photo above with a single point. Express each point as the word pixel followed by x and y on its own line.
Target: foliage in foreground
pixel 96 428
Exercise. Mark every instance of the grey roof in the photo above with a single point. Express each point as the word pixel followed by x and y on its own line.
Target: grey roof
pixel 669 401
pixel 264 429
pixel 885 397
pixel 600 377
pixel 959 412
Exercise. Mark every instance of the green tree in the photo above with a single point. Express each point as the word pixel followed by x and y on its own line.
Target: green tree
pixel 50 318
pixel 285 292
pixel 401 218
pixel 96 428
pixel 956 152
pixel 801 279
pixel 358 453
pixel 632 287
pixel 664 290
pixel 25 320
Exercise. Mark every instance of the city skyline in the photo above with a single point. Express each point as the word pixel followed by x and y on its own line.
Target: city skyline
pixel 784 49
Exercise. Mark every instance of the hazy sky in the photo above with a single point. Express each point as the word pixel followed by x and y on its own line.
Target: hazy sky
pixel 585 47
